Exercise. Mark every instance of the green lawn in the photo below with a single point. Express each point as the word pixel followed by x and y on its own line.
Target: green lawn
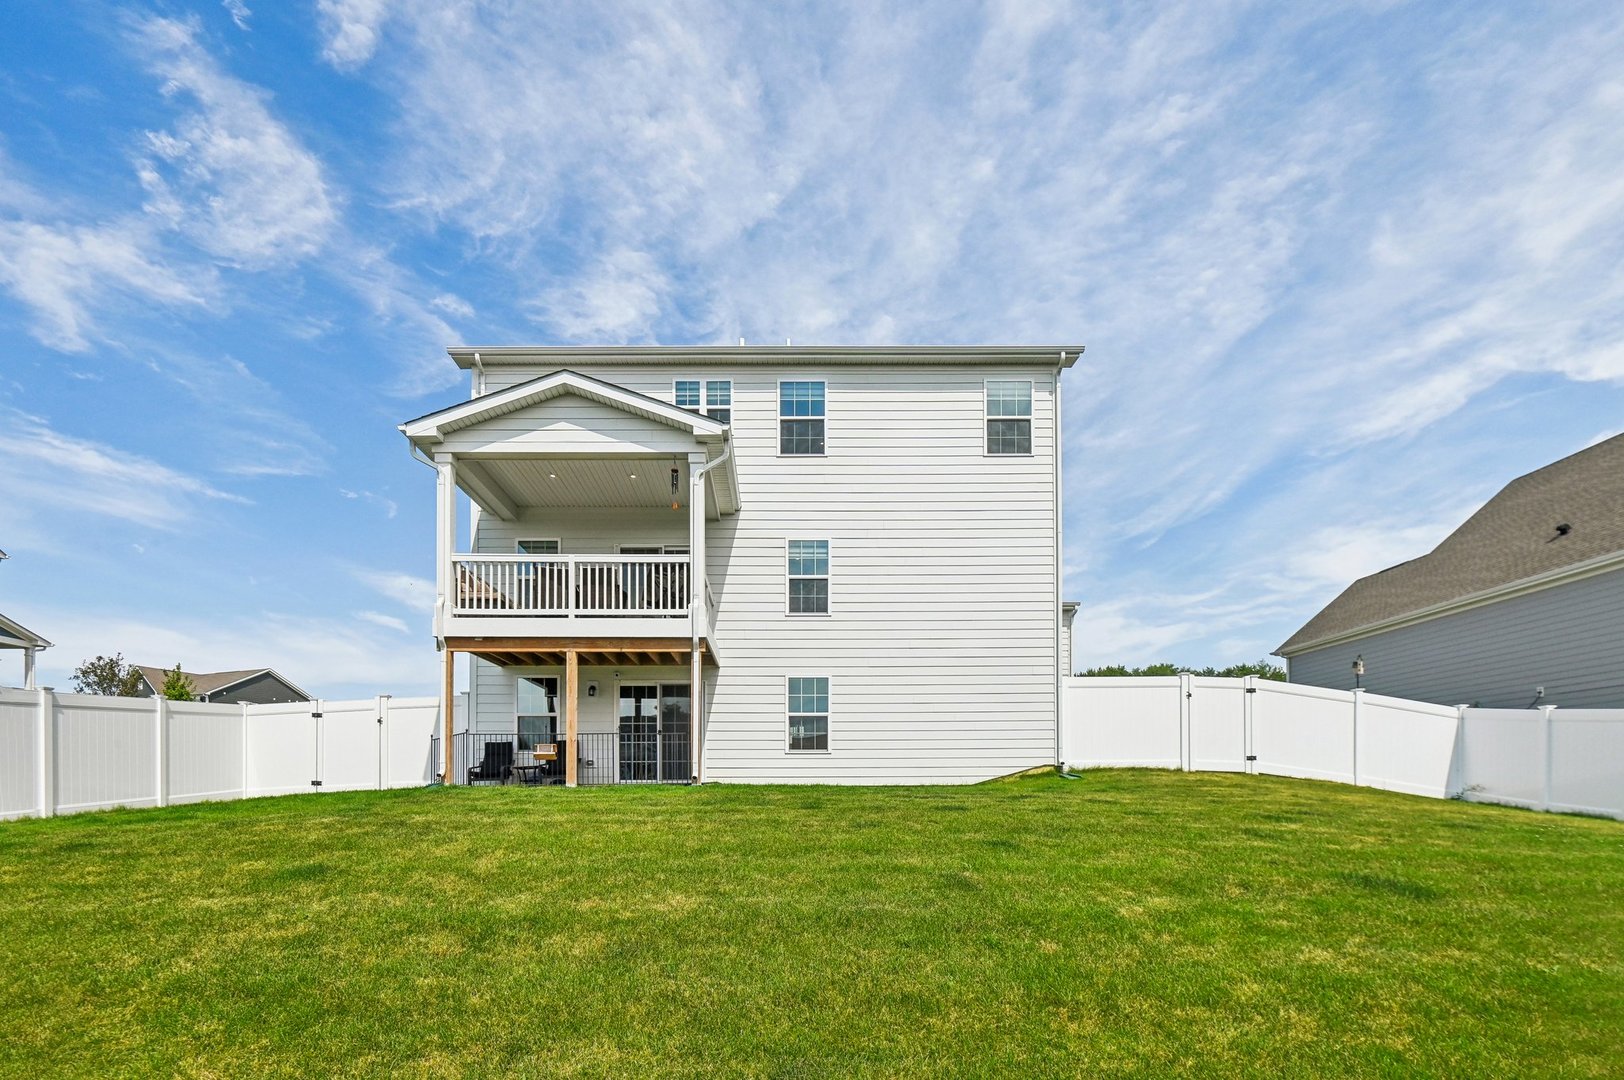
pixel 1130 922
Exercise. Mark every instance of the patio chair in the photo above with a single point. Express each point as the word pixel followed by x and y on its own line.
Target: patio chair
pixel 495 764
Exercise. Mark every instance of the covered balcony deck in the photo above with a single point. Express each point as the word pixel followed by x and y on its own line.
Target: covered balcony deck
pixel 553 449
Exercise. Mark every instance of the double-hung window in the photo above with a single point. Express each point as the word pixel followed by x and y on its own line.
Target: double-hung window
pixel 809 577
pixel 1009 416
pixel 537 720
pixel 800 418
pixel 708 397
pixel 808 714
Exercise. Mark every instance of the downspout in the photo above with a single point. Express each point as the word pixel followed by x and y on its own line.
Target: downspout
pixel 1062 663
pixel 696 584
pixel 479 377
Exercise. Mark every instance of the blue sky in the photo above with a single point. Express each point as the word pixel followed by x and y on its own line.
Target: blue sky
pixel 1341 269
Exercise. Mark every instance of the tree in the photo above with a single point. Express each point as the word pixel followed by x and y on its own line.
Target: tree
pixel 178 685
pixel 1261 668
pixel 109 676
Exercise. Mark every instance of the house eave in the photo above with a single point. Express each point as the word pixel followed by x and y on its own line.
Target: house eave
pixel 263 671
pixel 426 430
pixel 1561 576
pixel 1058 356
pixel 25 638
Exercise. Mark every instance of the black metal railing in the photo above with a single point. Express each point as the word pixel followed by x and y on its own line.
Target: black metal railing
pixel 606 757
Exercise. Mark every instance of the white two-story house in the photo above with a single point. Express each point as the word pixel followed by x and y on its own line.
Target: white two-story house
pixel 751 564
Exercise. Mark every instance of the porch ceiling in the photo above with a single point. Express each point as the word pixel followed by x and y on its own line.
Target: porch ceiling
pixel 615 483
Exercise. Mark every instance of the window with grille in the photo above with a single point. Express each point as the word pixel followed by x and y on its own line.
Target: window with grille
pixel 708 397
pixel 1009 416
pixel 808 713
pixel 801 418
pixel 809 577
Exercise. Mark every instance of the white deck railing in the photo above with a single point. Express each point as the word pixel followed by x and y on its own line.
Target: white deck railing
pixel 569 586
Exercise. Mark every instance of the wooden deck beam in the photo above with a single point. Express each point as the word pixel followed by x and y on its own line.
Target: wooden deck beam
pixel 553 652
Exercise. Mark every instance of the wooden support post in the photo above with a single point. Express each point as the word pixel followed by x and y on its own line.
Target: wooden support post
pixel 572 693
pixel 448 660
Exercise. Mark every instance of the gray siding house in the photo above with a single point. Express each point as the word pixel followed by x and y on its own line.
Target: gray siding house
pixel 1521 605
pixel 257 686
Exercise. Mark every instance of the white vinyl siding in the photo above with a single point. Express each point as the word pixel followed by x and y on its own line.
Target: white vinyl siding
pixel 942 651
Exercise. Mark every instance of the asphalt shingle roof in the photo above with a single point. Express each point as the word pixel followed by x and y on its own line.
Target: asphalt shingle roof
pixel 202 683
pixel 1513 537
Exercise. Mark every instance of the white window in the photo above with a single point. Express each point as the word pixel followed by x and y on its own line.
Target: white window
pixel 808 714
pixel 1009 416
pixel 719 400
pixel 808 577
pixel 537 714
pixel 801 418
pixel 708 397
pixel 539 546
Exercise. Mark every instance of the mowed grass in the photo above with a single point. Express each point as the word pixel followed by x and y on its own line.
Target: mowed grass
pixel 1128 923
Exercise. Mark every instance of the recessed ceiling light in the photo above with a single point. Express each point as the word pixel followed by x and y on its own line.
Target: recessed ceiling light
pixel 631 476
pixel 552 476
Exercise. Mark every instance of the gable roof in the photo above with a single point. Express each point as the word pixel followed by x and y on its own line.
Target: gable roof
pixel 432 427
pixel 212 682
pixel 14 635
pixel 1511 545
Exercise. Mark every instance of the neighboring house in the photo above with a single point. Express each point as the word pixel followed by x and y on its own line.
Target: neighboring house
pixel 756 564
pixel 1522 604
pixel 14 635
pixel 258 686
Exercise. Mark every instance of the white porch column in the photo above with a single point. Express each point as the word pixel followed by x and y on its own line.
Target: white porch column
pixel 698 609
pixel 445 539
pixel 445 581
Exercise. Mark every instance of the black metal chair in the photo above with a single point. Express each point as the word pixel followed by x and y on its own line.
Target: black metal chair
pixel 496 763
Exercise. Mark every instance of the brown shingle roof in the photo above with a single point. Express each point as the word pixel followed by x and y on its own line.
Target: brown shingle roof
pixel 1512 538
pixel 202 683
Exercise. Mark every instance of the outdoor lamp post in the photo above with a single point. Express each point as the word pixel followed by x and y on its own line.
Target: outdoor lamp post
pixel 1358 669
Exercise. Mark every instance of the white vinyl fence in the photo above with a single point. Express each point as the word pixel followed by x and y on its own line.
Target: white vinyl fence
pixel 63 753
pixel 1544 759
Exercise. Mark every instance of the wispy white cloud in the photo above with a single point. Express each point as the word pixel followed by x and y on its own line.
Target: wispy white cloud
pixel 240 13
pixel 51 469
pixel 388 622
pixel 453 305
pixel 64 272
pixel 229 174
pixel 406 590
pixel 617 299
pixel 351 28
pixel 388 506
